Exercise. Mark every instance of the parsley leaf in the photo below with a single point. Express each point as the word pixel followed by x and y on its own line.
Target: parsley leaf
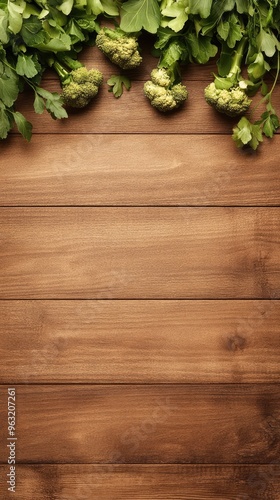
pixel 25 66
pixel 199 7
pixel 5 124
pixel 138 14
pixel 24 126
pixel 117 82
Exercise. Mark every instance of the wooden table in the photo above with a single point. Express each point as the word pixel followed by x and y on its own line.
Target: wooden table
pixel 139 287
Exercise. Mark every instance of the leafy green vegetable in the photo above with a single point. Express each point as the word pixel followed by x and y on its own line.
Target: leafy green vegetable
pixel 24 126
pixel 247 133
pixel 26 66
pixel 201 8
pixel 117 83
pixel 37 34
pixel 140 14
pixel 176 14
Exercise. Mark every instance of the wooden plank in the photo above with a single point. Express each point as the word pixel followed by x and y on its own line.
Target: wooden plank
pixel 141 482
pixel 139 253
pixel 145 423
pixel 142 169
pixel 139 341
pixel 132 113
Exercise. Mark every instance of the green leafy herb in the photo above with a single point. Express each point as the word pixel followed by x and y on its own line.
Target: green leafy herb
pixel 118 83
pixel 138 14
pixel 24 126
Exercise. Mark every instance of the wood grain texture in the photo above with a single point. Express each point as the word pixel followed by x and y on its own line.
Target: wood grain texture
pixel 146 424
pixel 137 169
pixel 134 385
pixel 139 253
pixel 133 114
pixel 141 482
pixel 139 341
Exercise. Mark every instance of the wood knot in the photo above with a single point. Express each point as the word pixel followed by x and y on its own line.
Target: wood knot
pixel 236 343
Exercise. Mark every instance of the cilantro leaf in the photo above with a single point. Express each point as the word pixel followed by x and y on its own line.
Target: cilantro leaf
pixel 54 106
pixel 25 66
pixel 66 6
pixel 267 43
pixel 99 6
pixel 4 36
pixel 179 12
pixel 32 32
pixel 15 11
pixel 138 14
pixel 201 48
pixel 247 133
pixel 110 7
pixel 201 8
pixel 241 6
pixel 270 125
pixel 24 126
pixel 39 104
pixel 94 7
pixel 223 29
pixel 117 82
pixel 5 124
pixel 235 32
pixel 8 89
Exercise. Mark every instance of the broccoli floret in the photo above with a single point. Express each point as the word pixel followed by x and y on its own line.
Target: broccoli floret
pixel 162 93
pixel 160 76
pixel 84 75
pixel 228 95
pixel 232 102
pixel 78 96
pixel 121 48
pixel 79 85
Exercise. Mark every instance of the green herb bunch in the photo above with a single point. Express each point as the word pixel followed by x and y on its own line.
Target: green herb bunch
pixel 242 35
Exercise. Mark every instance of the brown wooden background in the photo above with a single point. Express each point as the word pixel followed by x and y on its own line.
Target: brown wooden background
pixel 139 287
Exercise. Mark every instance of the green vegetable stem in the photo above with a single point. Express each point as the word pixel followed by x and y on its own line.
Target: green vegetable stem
pixel 228 95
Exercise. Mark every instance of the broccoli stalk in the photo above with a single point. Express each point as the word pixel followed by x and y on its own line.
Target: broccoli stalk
pixel 228 95
pixel 79 85
pixel 163 91
pixel 121 48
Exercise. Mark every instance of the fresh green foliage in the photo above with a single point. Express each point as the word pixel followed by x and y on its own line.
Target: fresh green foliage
pixel 52 102
pixel 117 83
pixel 32 34
pixel 251 132
pixel 122 49
pixel 246 133
pixel 164 95
pixel 140 14
pixel 244 34
pixel 174 14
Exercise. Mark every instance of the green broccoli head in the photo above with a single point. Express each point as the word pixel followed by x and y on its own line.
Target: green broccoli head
pixel 162 94
pixel 159 76
pixel 83 87
pixel 233 101
pixel 78 96
pixel 121 48
pixel 84 75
